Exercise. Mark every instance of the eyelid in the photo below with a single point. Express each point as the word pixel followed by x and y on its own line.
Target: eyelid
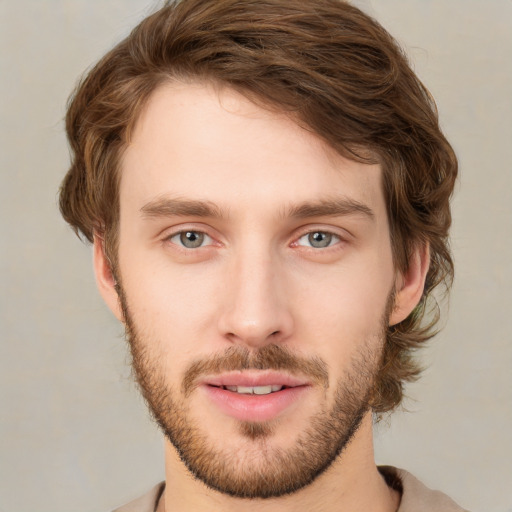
pixel 341 234
pixel 179 244
pixel 335 239
pixel 173 231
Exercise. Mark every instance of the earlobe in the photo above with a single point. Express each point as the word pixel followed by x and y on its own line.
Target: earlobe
pixel 409 286
pixel 105 280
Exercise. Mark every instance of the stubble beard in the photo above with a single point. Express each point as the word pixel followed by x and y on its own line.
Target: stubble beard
pixel 263 471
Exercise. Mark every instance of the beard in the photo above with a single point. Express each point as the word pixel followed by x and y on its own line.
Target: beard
pixel 259 470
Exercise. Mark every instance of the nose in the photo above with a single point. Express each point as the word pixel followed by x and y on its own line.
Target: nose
pixel 256 310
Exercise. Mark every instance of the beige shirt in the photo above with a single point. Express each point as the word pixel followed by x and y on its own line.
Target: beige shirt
pixel 415 496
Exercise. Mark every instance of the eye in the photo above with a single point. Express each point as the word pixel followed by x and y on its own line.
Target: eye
pixel 318 239
pixel 190 239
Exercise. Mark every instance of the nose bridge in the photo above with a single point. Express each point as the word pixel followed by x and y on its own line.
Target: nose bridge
pixel 256 312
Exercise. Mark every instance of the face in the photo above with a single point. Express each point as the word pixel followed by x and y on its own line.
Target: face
pixel 255 276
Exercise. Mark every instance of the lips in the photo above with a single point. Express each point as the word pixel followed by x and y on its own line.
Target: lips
pixel 249 378
pixel 254 395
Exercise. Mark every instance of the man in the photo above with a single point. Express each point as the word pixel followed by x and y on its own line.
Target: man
pixel 267 191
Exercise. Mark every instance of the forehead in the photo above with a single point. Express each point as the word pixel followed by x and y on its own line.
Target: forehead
pixel 206 143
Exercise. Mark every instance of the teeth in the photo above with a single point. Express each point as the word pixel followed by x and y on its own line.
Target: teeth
pixel 254 390
pixel 262 390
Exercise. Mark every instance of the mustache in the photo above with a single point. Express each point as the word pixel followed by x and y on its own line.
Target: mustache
pixel 269 357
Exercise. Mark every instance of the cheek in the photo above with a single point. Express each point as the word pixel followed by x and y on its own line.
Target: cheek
pixel 176 308
pixel 172 310
pixel 342 309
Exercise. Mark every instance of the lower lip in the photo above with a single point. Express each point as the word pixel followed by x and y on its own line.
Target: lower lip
pixel 254 407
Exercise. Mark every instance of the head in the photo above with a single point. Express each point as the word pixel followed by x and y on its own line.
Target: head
pixel 334 81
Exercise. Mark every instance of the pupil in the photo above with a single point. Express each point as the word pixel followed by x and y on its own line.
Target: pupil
pixel 320 239
pixel 192 239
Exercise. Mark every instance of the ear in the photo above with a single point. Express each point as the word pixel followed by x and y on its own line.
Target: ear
pixel 105 279
pixel 409 286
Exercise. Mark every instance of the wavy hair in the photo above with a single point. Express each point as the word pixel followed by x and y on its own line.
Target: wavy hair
pixel 336 70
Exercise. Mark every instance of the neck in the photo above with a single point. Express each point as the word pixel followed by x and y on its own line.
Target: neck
pixel 352 483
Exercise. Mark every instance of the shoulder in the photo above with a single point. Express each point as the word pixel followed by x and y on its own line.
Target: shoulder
pixel 146 503
pixel 416 497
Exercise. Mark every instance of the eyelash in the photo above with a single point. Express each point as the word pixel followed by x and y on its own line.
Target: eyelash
pixel 334 238
pixel 185 231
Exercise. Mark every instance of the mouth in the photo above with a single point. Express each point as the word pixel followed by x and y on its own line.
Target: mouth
pixel 254 390
pixel 254 396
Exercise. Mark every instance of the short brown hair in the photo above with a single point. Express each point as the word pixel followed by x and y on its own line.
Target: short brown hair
pixel 330 66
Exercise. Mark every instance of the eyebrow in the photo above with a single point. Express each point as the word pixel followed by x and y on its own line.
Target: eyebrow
pixel 337 207
pixel 167 207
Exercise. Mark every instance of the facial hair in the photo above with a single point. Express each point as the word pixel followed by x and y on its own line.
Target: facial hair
pixel 262 471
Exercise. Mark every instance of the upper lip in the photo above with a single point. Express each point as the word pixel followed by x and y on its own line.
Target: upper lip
pixel 253 378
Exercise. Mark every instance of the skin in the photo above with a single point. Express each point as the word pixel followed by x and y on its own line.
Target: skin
pixel 256 280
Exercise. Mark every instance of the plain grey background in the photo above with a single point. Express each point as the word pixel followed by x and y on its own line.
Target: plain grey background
pixel 74 433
